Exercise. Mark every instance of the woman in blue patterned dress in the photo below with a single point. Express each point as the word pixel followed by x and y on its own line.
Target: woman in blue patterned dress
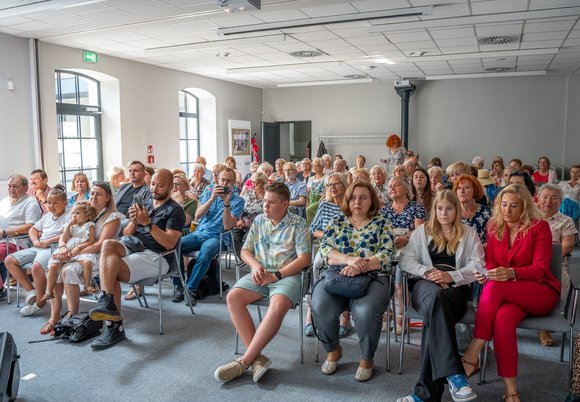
pixel 405 215
pixel 360 241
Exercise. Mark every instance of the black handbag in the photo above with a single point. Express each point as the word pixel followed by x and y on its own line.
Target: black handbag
pixel 132 243
pixel 351 287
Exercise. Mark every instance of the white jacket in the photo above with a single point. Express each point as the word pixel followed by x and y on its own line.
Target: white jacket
pixel 415 258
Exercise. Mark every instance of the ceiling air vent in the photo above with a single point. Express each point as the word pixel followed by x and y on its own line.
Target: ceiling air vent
pixel 499 69
pixel 498 39
pixel 307 54
pixel 356 76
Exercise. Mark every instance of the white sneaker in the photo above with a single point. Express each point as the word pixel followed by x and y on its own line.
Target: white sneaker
pixel 31 297
pixel 31 309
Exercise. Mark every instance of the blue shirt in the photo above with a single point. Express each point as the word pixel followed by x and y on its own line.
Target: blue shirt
pixel 212 223
pixel 297 188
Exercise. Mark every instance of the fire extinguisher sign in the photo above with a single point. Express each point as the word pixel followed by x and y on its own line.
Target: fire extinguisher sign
pixel 149 149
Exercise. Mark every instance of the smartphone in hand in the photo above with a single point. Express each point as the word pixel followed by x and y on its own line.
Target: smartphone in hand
pixel 138 199
pixel 226 190
pixel 482 271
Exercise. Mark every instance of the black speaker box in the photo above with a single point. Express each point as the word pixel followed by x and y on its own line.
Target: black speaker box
pixel 9 368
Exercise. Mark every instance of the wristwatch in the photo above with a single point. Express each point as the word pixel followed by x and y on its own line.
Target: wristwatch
pixel 278 275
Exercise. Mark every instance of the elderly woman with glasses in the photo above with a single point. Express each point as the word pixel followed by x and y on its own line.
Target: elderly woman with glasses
pixel 180 195
pixel 198 181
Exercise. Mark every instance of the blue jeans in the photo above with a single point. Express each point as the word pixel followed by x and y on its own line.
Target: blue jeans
pixel 208 249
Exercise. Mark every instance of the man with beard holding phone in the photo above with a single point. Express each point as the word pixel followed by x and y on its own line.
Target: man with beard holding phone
pixel 158 230
pixel 218 210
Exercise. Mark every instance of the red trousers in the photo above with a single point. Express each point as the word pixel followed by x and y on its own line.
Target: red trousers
pixel 502 306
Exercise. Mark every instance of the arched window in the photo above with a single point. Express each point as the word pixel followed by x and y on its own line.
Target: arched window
pixel 78 108
pixel 188 130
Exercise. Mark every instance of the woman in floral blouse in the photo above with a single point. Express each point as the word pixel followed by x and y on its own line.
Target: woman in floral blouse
pixel 359 241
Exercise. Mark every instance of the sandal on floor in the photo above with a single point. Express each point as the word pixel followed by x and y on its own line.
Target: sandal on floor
pixel 511 397
pixel 48 328
pixel 546 338
pixel 47 296
pixel 131 295
pixel 470 364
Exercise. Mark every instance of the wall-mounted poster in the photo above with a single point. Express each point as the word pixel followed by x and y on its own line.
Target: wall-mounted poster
pixel 240 141
pixel 240 144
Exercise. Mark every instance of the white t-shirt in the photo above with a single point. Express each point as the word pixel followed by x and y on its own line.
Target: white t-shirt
pixel 26 210
pixel 51 227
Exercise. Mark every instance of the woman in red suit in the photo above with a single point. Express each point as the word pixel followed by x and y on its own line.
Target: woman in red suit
pixel 518 283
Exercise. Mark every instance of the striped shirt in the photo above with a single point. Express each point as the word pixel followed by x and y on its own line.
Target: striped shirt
pixel 326 211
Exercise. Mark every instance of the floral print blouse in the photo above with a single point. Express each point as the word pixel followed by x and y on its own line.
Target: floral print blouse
pixel 479 221
pixel 376 239
pixel 406 219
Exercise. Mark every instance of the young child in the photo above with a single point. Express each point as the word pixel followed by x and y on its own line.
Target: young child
pixel 78 234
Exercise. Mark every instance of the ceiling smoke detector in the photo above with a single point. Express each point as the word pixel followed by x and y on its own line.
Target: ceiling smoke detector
pixel 356 76
pixel 498 39
pixel 499 69
pixel 307 54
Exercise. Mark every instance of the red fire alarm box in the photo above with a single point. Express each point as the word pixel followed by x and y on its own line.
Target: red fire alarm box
pixel 150 159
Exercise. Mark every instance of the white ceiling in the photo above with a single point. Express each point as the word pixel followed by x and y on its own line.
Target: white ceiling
pixel 149 31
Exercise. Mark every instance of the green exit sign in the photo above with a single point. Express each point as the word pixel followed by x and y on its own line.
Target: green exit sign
pixel 90 57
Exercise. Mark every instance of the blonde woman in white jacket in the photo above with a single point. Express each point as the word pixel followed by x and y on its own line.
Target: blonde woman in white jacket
pixel 441 257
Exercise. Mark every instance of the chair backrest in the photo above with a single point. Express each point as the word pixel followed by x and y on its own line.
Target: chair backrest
pixel 173 259
pixel 556 265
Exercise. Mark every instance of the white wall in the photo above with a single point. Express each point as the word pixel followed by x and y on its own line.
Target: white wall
pixel 337 109
pixel 16 129
pixel 454 119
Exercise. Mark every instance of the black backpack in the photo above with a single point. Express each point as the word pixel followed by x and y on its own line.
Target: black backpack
pixel 209 285
pixel 77 328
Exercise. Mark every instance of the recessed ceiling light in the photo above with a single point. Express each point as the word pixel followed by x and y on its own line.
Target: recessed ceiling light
pixel 498 69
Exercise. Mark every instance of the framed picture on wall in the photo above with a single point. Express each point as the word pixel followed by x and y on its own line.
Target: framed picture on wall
pixel 240 140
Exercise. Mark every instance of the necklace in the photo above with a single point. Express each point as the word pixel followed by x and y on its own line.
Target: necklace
pixel 446 232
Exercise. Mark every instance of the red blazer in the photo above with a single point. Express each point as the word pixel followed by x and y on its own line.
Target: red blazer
pixel 530 254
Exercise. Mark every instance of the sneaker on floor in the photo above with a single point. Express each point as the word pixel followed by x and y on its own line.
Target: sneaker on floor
pixel 113 333
pixel 230 371
pixel 192 298
pixel 259 367
pixel 31 309
pixel 309 329
pixel 178 294
pixel 460 389
pixel 105 310
pixel 410 398
pixel 31 297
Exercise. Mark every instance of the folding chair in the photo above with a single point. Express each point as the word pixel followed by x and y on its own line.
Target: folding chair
pixel 16 241
pixel 227 253
pixel 173 271
pixel 304 276
pixel 409 312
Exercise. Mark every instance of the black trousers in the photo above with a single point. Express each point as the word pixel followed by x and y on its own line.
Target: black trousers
pixel 441 310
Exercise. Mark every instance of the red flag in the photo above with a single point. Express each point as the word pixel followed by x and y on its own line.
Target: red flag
pixel 255 149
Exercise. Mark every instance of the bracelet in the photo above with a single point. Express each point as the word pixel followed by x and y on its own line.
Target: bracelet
pixel 515 278
pixel 227 206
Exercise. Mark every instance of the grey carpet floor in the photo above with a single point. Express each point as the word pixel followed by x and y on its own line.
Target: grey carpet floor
pixel 179 365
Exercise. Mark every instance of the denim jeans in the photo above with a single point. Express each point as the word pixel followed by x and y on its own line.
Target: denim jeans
pixel 208 249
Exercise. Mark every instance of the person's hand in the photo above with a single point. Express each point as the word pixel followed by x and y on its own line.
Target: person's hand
pixel 75 251
pixel 142 215
pixel 362 264
pixel 401 241
pixel 439 187
pixel 439 277
pixel 351 270
pixel 36 243
pixel 240 224
pixel 268 278
pixel 40 195
pixel 480 278
pixel 133 214
pixel 258 274
pixel 501 274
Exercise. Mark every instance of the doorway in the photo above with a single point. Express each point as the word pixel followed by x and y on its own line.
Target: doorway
pixel 289 140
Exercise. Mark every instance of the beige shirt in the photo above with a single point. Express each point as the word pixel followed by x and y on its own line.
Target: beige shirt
pixel 561 225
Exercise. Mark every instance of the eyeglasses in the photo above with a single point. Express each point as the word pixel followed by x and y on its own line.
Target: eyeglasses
pixel 334 184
